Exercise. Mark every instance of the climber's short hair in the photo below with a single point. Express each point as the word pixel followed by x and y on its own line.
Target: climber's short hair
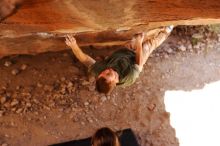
pixel 103 86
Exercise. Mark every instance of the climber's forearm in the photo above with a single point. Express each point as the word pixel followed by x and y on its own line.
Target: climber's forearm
pixel 81 56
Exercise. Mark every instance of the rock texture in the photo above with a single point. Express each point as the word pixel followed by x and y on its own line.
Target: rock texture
pixel 8 7
pixel 40 25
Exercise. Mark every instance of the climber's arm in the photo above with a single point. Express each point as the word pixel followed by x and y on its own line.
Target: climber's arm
pixel 83 58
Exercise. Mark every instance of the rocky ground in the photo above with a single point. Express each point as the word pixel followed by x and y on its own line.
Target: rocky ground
pixel 47 98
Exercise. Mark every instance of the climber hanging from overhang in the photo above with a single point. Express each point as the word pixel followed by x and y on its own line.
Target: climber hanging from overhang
pixel 123 67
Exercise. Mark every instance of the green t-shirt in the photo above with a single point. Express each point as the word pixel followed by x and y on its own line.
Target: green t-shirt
pixel 123 62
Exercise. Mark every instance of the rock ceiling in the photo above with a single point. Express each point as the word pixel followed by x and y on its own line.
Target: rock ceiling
pixel 40 25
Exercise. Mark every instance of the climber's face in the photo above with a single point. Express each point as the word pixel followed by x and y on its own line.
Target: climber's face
pixel 106 81
pixel 110 75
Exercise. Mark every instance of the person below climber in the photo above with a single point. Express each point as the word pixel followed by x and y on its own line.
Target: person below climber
pixel 123 67
pixel 105 137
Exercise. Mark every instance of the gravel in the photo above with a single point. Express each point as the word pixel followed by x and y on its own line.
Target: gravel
pixel 4 144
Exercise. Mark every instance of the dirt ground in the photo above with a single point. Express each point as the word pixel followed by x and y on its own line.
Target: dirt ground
pixel 47 98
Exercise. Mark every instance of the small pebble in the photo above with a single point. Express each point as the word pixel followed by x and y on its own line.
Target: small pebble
pixel 108 97
pixel 14 71
pixel 18 87
pixel 169 50
pixel 39 85
pixel 28 104
pixel 189 46
pixel 151 107
pixel 4 144
pixel 2 91
pixel 1 113
pixel 3 99
pixel 75 119
pixel 86 103
pixel 14 102
pixel 166 56
pixel 197 36
pixel 91 79
pixel 23 67
pixel 8 94
pixel 92 88
pixel 63 79
pixel 8 63
pixel 48 88
pixel 72 116
pixel 14 109
pixel 90 120
pixel 84 83
pixel 19 110
pixel 70 84
pixel 103 99
pixel 7 105
pixel 82 123
pixel 59 116
pixel 182 48
pixel 61 109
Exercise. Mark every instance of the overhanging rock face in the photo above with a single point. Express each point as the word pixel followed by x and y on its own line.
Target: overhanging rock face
pixel 40 25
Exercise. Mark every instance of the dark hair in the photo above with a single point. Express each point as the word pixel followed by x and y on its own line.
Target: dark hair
pixel 105 137
pixel 103 86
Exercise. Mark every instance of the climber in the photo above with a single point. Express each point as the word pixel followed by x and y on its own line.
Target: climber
pixel 123 67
